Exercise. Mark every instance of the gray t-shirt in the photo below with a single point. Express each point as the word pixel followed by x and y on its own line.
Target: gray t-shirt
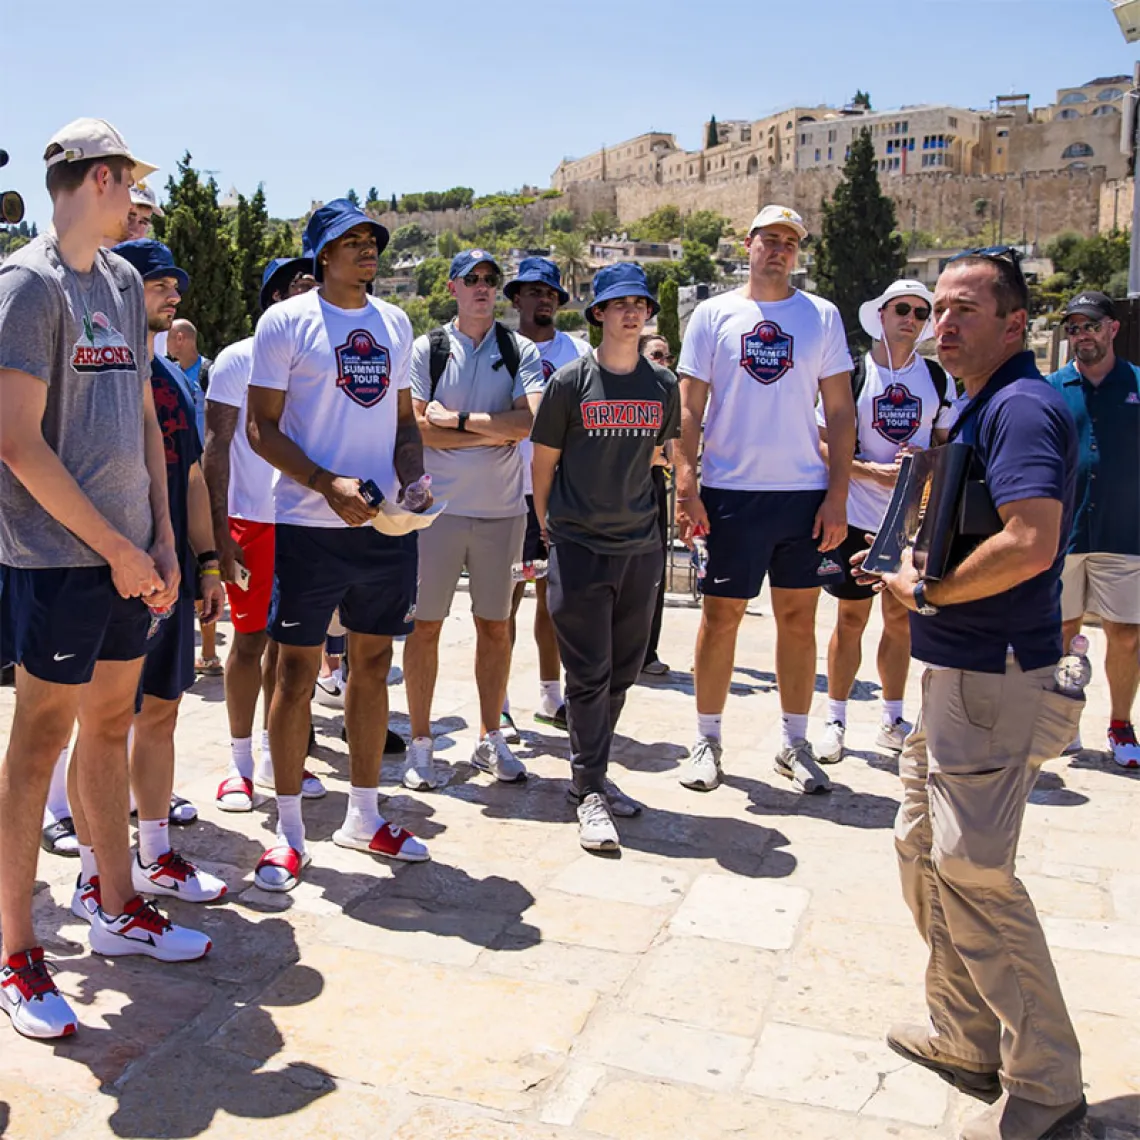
pixel 606 426
pixel 477 482
pixel 84 336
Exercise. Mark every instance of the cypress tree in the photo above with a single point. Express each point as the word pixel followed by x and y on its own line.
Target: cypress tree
pixel 713 136
pixel 668 322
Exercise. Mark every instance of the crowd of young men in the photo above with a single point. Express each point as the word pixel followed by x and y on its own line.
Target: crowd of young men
pixel 351 473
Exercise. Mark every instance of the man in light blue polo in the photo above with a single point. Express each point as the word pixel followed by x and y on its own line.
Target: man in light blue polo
pixel 475 388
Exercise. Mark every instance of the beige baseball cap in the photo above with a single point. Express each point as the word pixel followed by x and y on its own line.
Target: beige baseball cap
pixel 395 520
pixel 143 195
pixel 779 216
pixel 92 138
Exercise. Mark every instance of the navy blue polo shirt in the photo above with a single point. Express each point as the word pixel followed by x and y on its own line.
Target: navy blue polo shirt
pixel 1107 415
pixel 1026 442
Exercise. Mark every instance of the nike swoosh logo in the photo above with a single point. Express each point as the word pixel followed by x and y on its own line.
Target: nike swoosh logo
pixel 241 615
pixel 62 656
pixel 289 624
pixel 717 581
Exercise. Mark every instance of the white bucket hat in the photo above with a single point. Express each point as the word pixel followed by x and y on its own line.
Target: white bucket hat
pixel 870 312
pixel 395 520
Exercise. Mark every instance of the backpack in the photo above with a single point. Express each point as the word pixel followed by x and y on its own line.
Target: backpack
pixel 859 379
pixel 439 347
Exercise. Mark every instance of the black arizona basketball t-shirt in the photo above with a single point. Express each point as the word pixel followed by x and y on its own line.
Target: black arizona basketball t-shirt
pixel 606 426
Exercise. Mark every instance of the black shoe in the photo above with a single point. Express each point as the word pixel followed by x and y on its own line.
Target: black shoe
pixel 312 741
pixel 393 743
pixel 558 720
pixel 51 836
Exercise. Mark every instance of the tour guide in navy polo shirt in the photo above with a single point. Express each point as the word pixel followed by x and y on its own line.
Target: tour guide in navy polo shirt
pixel 1102 568
pixel 991 633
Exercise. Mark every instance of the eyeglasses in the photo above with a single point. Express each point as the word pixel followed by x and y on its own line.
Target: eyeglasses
pixel 904 308
pixel 471 280
pixel 1077 330
pixel 661 356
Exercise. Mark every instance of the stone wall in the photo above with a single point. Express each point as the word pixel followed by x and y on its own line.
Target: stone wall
pixel 1116 205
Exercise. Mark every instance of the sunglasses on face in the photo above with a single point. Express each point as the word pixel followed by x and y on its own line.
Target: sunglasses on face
pixel 661 356
pixel 1077 330
pixel 473 279
pixel 905 308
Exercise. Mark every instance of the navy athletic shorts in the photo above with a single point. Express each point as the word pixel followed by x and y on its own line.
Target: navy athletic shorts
pixel 369 576
pixel 758 533
pixel 169 667
pixel 63 619
pixel 849 590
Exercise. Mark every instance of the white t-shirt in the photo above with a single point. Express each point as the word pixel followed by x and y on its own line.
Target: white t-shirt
pixel 763 362
pixel 892 410
pixel 562 349
pixel 251 478
pixel 340 370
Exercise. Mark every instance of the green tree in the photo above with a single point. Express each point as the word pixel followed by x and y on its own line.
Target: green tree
pixel 568 320
pixel 442 306
pixel 430 272
pixel 862 99
pixel 1062 251
pixel 372 200
pixel 412 238
pixel 658 272
pixel 252 239
pixel 600 224
pixel 595 333
pixel 561 221
pixel 393 205
pixel 570 255
pixel 498 221
pixel 1099 257
pixel 668 322
pixel 859 252
pixel 353 197
pixel 697 264
pixel 195 230
pixel 706 227
pixel 712 138
pixel 448 243
pixel 664 224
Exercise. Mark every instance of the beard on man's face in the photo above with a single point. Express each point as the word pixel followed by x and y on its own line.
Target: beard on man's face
pixel 544 320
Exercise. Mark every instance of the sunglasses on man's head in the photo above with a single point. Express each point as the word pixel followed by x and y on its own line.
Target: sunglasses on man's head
pixel 904 309
pixel 473 279
pixel 1089 327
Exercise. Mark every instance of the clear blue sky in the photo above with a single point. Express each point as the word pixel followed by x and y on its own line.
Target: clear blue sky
pixel 427 94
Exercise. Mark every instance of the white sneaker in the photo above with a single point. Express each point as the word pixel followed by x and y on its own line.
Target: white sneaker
pixel 143 929
pixel 177 878
pixel 86 899
pixel 422 772
pixel 830 750
pixel 1074 746
pixel 702 769
pixel 892 737
pixel 1124 747
pixel 330 690
pixel 492 755
pixel 30 999
pixel 596 830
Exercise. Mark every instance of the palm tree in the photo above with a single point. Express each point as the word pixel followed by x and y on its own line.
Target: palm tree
pixel 571 257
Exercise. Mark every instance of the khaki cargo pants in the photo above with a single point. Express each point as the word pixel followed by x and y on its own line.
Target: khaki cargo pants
pixel 967 770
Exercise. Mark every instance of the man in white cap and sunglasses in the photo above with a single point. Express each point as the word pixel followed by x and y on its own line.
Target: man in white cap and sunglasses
pixel 144 206
pixel 902 403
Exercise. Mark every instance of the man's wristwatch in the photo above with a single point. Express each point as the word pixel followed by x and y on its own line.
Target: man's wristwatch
pixel 461 421
pixel 920 602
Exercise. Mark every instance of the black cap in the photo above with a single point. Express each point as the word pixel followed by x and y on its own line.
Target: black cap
pixel 1097 306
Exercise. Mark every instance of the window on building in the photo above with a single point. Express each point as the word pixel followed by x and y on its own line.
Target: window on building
pixel 1003 134
pixel 1106 110
pixel 1074 97
pixel 1068 113
pixel 910 144
pixel 890 146
pixel 829 155
pixel 1109 94
pixel 905 127
pixel 803 140
pixel 1077 150
pixel 1077 166
pixel 952 120
pixel 831 136
pixel 817 154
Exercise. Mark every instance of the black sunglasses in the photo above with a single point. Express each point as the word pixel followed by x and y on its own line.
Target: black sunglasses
pixel 473 279
pixel 1008 253
pixel 1090 327
pixel 903 309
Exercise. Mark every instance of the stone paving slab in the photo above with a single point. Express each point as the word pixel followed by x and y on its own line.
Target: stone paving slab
pixel 731 974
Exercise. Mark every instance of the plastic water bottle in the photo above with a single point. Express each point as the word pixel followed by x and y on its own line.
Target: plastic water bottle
pixel 1073 671
pixel 700 557
pixel 529 571
pixel 416 494
pixel 158 614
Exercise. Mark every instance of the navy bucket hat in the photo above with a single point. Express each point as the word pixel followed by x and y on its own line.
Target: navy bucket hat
pixel 462 263
pixel 333 220
pixel 541 270
pixel 153 260
pixel 278 273
pixel 625 279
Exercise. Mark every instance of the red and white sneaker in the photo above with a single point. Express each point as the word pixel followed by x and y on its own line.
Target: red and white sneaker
pixel 177 878
pixel 86 900
pixel 143 929
pixel 30 999
pixel 389 840
pixel 279 869
pixel 235 793
pixel 1124 746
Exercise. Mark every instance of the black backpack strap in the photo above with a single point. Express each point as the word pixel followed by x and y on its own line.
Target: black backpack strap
pixel 508 349
pixel 858 380
pixel 941 381
pixel 439 346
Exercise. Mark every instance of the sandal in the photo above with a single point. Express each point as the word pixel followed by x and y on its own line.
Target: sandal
pixel 240 791
pixel 281 859
pixel 182 811
pixel 209 667
pixel 59 838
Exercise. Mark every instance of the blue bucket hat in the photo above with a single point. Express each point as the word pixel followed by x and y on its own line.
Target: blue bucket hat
pixel 278 273
pixel 625 279
pixel 463 263
pixel 541 270
pixel 333 220
pixel 153 260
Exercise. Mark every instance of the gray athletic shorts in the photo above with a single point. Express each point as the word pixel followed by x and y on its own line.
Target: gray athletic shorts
pixel 488 548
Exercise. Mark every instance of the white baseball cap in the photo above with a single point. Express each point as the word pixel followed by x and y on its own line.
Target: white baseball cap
pixel 778 216
pixel 143 195
pixel 871 312
pixel 92 138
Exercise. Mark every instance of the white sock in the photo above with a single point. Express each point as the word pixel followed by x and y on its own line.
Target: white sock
pixel 241 756
pixel 363 815
pixel 551 696
pixel 290 825
pixel 892 711
pixel 708 725
pixel 88 868
pixel 154 839
pixel 266 754
pixel 793 728
pixel 837 710
pixel 57 807
pixel 494 736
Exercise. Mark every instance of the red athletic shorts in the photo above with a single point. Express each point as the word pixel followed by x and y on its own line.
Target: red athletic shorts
pixel 249 609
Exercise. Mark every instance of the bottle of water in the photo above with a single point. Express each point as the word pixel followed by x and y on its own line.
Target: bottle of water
pixel 416 494
pixel 529 571
pixel 1073 671
pixel 700 557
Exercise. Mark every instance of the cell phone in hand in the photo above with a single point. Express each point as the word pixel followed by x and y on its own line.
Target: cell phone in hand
pixel 370 493
pixel 242 577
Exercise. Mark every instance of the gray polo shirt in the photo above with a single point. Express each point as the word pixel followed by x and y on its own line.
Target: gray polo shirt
pixel 477 482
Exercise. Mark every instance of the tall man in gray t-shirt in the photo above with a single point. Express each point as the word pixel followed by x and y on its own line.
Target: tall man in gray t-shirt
pixel 472 410
pixel 85 536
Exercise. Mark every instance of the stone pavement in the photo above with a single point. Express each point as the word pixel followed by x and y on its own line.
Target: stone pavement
pixel 730 975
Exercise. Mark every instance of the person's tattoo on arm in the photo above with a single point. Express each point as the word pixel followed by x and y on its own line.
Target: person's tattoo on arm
pixel 408 455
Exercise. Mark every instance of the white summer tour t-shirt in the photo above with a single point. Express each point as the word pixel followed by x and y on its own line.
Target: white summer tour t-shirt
pixel 340 370
pixel 763 362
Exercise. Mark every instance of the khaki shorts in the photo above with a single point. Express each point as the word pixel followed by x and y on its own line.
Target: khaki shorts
pixel 1103 584
pixel 488 548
